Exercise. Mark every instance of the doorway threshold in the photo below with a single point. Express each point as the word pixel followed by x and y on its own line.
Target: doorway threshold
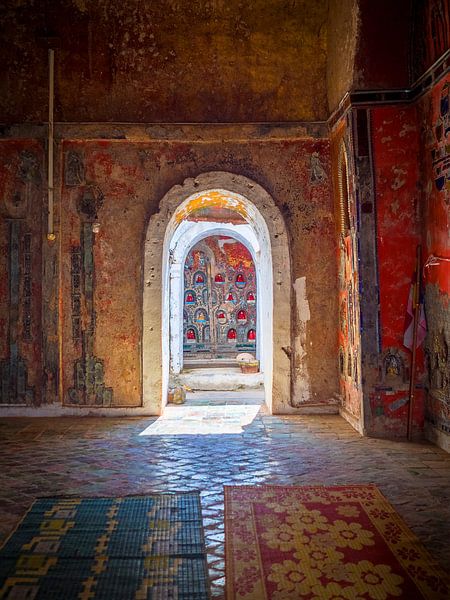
pixel 218 379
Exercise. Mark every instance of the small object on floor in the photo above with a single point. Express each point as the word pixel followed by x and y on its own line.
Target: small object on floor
pixel 247 362
pixel 176 395
pixel 117 548
pixel 323 542
pixel 250 367
pixel 245 357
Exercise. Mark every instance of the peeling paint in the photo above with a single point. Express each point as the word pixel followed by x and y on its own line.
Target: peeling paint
pixel 302 387
pixel 399 181
pixel 399 233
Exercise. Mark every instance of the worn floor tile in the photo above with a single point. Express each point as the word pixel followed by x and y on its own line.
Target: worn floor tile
pixel 239 445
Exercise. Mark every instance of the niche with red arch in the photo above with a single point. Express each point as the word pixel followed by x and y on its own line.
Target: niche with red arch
pixel 241 316
pixel 231 336
pixel 240 280
pixel 199 278
pixel 221 316
pixel 219 278
pixel 190 297
pixel 191 335
pixel 251 335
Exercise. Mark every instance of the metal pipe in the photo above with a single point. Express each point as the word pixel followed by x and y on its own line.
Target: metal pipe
pixel 51 94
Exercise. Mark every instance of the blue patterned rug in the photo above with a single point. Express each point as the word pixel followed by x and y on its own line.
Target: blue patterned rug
pixel 142 548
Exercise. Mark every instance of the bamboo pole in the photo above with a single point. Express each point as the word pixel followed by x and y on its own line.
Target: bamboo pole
pixel 51 96
pixel 416 309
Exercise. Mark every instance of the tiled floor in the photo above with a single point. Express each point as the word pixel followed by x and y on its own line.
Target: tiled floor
pixel 105 456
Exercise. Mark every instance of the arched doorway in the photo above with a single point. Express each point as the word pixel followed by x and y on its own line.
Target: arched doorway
pixel 171 234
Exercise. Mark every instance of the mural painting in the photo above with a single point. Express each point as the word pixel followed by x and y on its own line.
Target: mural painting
pixel 89 386
pixel 219 299
pixel 436 183
pixel 349 329
pixel 430 33
pixel 20 274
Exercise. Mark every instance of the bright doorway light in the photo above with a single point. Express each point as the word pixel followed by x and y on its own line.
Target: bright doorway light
pixel 203 420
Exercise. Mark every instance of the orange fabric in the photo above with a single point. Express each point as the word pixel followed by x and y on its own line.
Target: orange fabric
pixel 323 543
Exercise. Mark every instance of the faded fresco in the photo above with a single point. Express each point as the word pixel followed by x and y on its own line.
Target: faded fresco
pixel 430 33
pixel 172 61
pixel 435 113
pixel 21 371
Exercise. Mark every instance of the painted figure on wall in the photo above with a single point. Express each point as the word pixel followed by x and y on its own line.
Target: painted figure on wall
pixel 349 367
pixel 440 152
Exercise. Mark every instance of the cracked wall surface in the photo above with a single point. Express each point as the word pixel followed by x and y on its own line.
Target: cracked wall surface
pixel 106 192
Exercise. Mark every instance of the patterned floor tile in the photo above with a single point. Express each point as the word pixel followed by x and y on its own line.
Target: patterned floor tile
pixel 105 456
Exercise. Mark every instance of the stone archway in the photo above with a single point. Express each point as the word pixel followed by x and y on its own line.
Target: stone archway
pixel 259 210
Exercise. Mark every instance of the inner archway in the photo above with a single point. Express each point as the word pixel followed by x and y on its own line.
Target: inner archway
pixel 171 234
pixel 214 218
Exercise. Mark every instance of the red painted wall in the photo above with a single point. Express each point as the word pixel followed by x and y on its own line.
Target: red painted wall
pixel 395 142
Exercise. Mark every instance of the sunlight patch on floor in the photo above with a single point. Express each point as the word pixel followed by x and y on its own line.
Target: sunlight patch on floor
pixel 203 420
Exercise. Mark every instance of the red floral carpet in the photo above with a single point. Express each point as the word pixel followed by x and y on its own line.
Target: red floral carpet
pixel 323 543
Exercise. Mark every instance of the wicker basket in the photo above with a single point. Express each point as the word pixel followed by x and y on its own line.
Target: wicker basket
pixel 250 367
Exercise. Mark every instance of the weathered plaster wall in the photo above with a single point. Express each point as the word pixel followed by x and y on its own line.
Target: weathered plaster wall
pixel 21 373
pixel 313 246
pixel 435 126
pixel 343 40
pixel 165 61
pixel 118 184
pixel 117 256
pixel 395 141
